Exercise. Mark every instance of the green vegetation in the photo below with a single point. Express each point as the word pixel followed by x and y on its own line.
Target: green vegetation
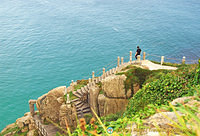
pixel 88 117
pixel 71 96
pixel 80 83
pixel 112 117
pixel 16 131
pixel 158 88
pixel 169 86
pixel 137 75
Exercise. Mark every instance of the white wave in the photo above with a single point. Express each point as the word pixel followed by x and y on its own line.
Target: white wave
pixel 115 29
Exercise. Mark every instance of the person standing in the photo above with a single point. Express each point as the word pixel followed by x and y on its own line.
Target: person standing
pixel 138 52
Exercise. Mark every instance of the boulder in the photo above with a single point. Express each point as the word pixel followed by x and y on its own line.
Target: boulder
pixel 25 129
pixel 49 104
pixel 31 126
pixel 113 106
pixel 113 87
pixel 180 100
pixel 23 121
pixel 32 133
pixel 94 92
pixel 159 120
pixel 67 112
pixel 110 106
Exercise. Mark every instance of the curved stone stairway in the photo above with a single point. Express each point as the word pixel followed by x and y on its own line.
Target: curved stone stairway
pixel 82 102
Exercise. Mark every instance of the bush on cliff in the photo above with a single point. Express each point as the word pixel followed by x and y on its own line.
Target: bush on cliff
pixel 137 75
pixel 168 87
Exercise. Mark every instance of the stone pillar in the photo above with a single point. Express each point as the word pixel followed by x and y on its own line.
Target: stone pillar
pixel 130 56
pixel 90 80
pixel 68 99
pixel 122 60
pixel 162 60
pixel 144 55
pixel 65 90
pixel 183 60
pixel 118 61
pixel 31 106
pixel 138 59
pixel 104 72
pixel 92 76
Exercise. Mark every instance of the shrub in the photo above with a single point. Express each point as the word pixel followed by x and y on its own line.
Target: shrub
pixel 168 87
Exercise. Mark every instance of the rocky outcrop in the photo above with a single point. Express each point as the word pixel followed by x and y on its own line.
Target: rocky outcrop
pixel 163 119
pixel 112 106
pixel 26 122
pixel 114 98
pixel 101 103
pixel 113 87
pixel 23 124
pixel 94 93
pixel 49 104
pixel 68 113
pixel 159 119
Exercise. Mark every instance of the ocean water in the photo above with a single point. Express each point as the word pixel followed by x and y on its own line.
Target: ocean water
pixel 48 43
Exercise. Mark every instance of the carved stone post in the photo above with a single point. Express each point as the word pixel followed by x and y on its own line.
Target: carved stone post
pixel 138 59
pixel 31 106
pixel 122 60
pixel 104 72
pixel 130 56
pixel 68 99
pixel 65 90
pixel 92 76
pixel 90 80
pixel 183 60
pixel 144 55
pixel 118 61
pixel 162 60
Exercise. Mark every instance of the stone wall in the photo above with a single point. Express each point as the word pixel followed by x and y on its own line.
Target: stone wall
pixel 49 104
pixel 52 106
pixel 113 99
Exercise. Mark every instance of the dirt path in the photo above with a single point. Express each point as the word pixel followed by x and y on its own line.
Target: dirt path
pixel 153 66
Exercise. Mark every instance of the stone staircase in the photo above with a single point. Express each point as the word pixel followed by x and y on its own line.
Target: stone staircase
pixel 45 130
pixel 82 102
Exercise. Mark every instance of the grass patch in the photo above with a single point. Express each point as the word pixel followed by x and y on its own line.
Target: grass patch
pixel 163 87
pixel 88 117
pixel 71 96
pixel 112 117
pixel 101 92
pixel 137 75
pixel 80 83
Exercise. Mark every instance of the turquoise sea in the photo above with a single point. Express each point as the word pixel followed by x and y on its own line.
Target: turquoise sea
pixel 48 43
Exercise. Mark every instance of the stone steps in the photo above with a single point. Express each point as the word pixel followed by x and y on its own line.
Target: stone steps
pixel 85 106
pixel 78 102
pixel 83 111
pixel 83 90
pixel 77 94
pixel 75 100
pixel 80 105
pixel 45 130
